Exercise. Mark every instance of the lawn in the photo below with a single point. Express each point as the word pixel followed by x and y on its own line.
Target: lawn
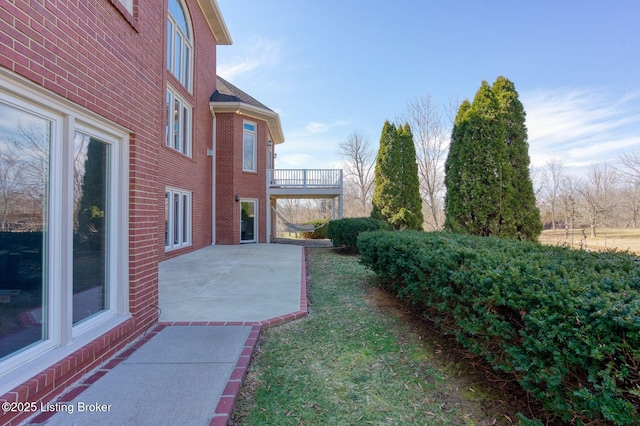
pixel 621 239
pixel 359 358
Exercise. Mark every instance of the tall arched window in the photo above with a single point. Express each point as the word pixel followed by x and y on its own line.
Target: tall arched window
pixel 179 43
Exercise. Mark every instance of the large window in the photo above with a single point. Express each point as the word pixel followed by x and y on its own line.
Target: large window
pixel 178 132
pixel 177 218
pixel 249 147
pixel 179 43
pixel 63 228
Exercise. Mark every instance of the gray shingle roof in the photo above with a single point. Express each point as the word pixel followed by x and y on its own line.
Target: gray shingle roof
pixel 227 92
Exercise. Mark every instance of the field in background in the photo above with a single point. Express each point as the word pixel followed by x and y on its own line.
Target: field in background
pixel 619 239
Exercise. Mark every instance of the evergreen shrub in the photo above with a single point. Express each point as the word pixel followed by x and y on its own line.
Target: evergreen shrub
pixel 565 323
pixel 344 232
pixel 320 233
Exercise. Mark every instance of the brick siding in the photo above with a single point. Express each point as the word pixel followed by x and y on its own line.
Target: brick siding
pixel 100 57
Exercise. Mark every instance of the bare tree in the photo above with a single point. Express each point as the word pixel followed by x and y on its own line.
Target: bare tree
pixel 568 202
pixel 23 178
pixel 431 139
pixel 630 173
pixel 631 164
pixel 630 203
pixel 11 170
pixel 359 157
pixel 598 192
pixel 551 181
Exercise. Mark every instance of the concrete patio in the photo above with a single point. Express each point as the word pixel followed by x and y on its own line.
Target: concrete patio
pixel 189 369
pixel 246 283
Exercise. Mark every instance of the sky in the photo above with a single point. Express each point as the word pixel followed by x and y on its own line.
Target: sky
pixel 330 68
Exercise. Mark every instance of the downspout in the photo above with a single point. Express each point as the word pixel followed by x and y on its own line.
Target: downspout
pixel 268 198
pixel 212 153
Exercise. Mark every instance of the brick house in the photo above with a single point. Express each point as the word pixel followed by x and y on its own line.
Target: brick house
pixel 119 148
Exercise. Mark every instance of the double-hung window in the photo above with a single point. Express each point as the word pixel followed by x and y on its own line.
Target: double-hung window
pixel 179 43
pixel 249 147
pixel 177 218
pixel 63 228
pixel 178 132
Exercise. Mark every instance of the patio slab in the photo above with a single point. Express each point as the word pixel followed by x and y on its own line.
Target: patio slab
pixel 243 283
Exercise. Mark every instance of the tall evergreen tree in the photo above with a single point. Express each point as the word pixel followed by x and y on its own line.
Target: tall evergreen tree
pixel 396 197
pixel 525 212
pixel 487 192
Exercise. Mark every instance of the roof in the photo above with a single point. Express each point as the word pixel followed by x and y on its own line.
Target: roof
pixel 216 21
pixel 227 92
pixel 228 98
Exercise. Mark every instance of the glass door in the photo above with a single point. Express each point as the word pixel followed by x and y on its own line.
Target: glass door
pixel 248 221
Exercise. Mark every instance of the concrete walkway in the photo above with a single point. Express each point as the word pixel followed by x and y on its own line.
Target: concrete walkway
pixel 189 369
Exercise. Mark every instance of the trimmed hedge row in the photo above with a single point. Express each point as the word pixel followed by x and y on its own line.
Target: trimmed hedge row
pixel 344 232
pixel 565 323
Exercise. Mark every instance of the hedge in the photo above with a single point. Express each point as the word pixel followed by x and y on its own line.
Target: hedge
pixel 565 323
pixel 344 232
pixel 319 233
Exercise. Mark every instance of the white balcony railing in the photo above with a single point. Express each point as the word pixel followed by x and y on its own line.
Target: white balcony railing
pixel 304 178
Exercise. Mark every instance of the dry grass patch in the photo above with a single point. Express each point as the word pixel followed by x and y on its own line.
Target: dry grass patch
pixel 619 239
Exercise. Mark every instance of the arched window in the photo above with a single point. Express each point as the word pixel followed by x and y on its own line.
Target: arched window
pixel 179 43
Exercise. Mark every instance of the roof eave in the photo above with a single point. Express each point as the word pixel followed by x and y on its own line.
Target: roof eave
pixel 216 22
pixel 272 118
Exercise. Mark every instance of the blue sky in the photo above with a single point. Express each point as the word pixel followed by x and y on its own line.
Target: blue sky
pixel 333 67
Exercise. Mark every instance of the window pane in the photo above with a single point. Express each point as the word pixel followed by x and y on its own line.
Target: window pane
pixel 177 69
pixel 169 44
pixel 167 211
pixel 24 179
pixel 185 218
pixel 187 68
pixel 186 118
pixel 248 151
pixel 176 124
pixel 176 219
pixel 90 226
pixel 168 113
pixel 178 14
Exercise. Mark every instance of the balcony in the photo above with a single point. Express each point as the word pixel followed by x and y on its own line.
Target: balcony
pixel 304 183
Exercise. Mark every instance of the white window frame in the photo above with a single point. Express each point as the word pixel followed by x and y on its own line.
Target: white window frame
pixel 183 218
pixel 61 337
pixel 253 133
pixel 181 67
pixel 182 126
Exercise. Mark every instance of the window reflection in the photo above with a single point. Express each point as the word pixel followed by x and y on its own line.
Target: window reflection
pixel 90 227
pixel 24 179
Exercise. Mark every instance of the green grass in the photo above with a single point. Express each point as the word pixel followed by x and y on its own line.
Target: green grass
pixel 350 362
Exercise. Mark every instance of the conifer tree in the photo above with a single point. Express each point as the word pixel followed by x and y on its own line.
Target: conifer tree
pixel 525 212
pixel 396 197
pixel 489 191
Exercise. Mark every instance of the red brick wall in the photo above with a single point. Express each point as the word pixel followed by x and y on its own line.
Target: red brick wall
pixel 231 180
pixel 194 174
pixel 100 57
